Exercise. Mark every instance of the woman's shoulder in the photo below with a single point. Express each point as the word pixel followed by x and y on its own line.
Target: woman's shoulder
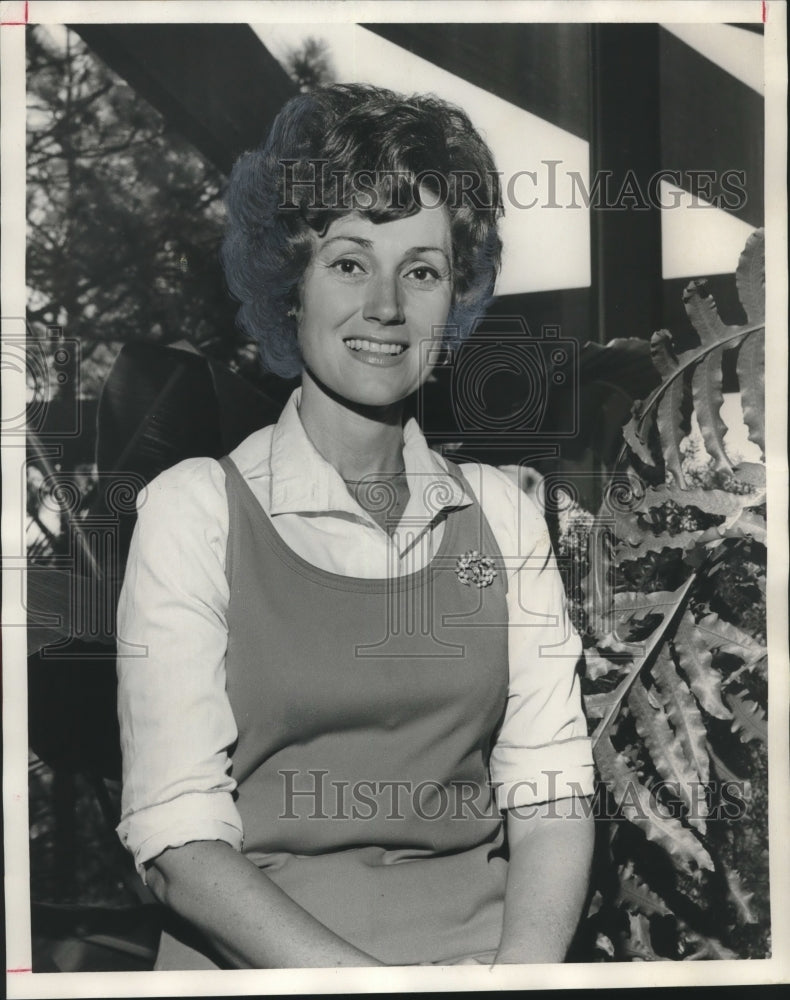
pixel 508 496
pixel 516 486
pixel 192 483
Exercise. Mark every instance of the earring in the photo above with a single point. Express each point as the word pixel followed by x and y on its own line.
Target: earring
pixel 291 314
pixel 445 356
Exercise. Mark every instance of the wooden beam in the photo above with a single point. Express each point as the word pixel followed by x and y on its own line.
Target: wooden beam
pixel 216 84
pixel 538 67
pixel 626 234
pixel 712 122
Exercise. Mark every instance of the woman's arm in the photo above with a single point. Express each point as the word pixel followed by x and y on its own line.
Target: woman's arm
pixel 550 853
pixel 248 919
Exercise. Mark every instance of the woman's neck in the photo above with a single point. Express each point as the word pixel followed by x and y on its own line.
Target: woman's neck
pixel 357 440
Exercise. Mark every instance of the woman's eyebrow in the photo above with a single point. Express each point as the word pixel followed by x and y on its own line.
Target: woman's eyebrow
pixel 414 250
pixel 368 245
pixel 349 239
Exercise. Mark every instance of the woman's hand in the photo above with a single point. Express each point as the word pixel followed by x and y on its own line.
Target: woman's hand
pixel 248 919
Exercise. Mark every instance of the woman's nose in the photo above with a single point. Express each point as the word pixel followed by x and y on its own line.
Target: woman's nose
pixel 383 301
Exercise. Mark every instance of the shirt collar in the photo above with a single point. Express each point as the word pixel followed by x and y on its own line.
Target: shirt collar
pixel 302 481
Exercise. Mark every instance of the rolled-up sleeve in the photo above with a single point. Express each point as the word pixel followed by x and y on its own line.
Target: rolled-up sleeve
pixel 175 719
pixel 542 751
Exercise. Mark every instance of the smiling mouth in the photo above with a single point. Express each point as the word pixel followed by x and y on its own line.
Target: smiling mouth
pixel 374 346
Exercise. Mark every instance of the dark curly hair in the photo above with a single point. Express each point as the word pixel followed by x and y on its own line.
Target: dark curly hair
pixel 349 148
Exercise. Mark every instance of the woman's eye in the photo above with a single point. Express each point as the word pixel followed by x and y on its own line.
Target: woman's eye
pixel 424 275
pixel 348 266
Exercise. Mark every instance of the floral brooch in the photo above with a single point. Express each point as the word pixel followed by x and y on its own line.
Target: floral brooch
pixel 473 568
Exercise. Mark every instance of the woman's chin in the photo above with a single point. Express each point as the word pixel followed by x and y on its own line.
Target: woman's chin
pixel 368 393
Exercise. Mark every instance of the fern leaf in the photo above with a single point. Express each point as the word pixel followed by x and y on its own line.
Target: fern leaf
pixel 750 280
pixel 685 363
pixel 708 398
pixel 640 619
pixel 706 948
pixel 604 945
pixel 701 310
pixel 610 645
pixel 728 638
pixel 759 667
pixel 595 705
pixel 720 502
pixel 638 806
pixel 741 899
pixel 667 605
pixel 750 368
pixel 638 946
pixel 695 659
pixel 647 542
pixel 598 666
pixel 636 436
pixel 627 528
pixel 684 715
pixel 746 525
pixel 635 895
pixel 667 755
pixel 748 718
pixel 631 606
pixel 750 277
pixel 753 473
pixel 669 414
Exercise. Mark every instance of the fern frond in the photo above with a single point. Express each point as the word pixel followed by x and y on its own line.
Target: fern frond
pixel 627 603
pixel 684 716
pixel 750 277
pixel 706 948
pixel 750 369
pixel 667 755
pixel 748 718
pixel 695 658
pixel 636 435
pixel 741 899
pixel 685 362
pixel 706 392
pixel 747 524
pixel 728 638
pixel 685 540
pixel 719 502
pixel 635 895
pixel 638 806
pixel 669 412
pixel 758 666
pixel 638 946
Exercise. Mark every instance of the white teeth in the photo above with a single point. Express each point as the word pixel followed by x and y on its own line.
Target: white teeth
pixel 374 347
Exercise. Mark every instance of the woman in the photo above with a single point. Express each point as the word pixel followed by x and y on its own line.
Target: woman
pixel 353 734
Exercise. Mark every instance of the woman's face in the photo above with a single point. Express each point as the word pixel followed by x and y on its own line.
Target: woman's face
pixel 372 297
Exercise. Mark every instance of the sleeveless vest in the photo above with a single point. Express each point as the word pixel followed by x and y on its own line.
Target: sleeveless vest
pixel 366 711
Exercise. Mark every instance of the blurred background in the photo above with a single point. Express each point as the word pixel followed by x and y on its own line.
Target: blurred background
pixel 639 151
